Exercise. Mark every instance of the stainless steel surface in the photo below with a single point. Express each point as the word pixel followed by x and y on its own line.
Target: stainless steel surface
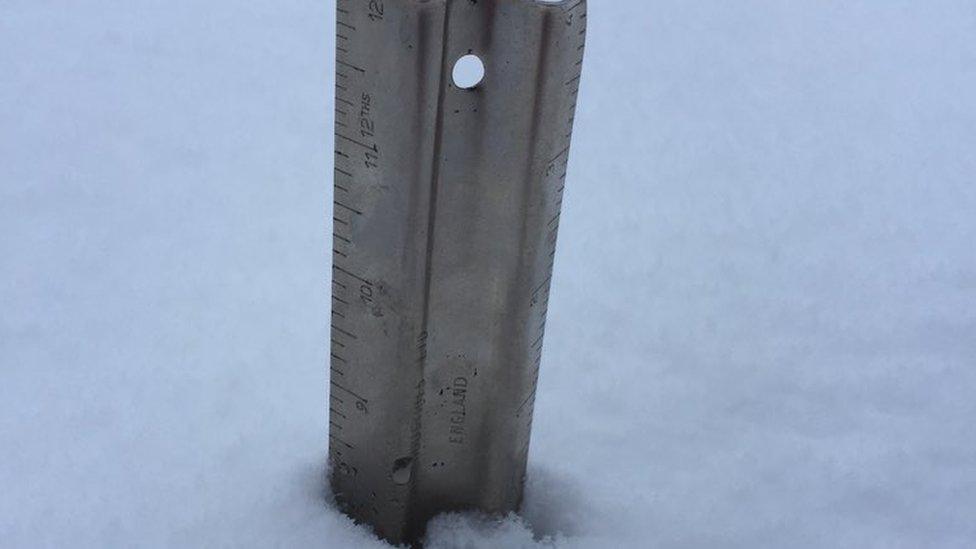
pixel 447 205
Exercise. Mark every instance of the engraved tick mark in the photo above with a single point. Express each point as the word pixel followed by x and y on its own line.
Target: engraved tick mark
pixel 336 385
pixel 350 65
pixel 340 441
pixel 562 152
pixel 351 209
pixel 344 332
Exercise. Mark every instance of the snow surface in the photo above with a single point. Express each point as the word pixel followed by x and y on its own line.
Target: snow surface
pixel 763 324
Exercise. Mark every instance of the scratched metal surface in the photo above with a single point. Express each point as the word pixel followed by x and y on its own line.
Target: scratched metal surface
pixel 447 207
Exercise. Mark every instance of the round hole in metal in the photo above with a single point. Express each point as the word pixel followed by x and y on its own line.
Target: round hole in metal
pixel 469 71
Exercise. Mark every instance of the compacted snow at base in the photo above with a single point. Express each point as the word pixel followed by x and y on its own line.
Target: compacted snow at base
pixel 762 327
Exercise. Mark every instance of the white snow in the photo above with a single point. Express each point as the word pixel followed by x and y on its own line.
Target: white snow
pixel 763 324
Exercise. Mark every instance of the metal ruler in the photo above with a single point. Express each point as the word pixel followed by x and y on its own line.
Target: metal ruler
pixel 447 206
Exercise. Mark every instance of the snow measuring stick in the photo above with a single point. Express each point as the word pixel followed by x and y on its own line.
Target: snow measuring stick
pixel 447 205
